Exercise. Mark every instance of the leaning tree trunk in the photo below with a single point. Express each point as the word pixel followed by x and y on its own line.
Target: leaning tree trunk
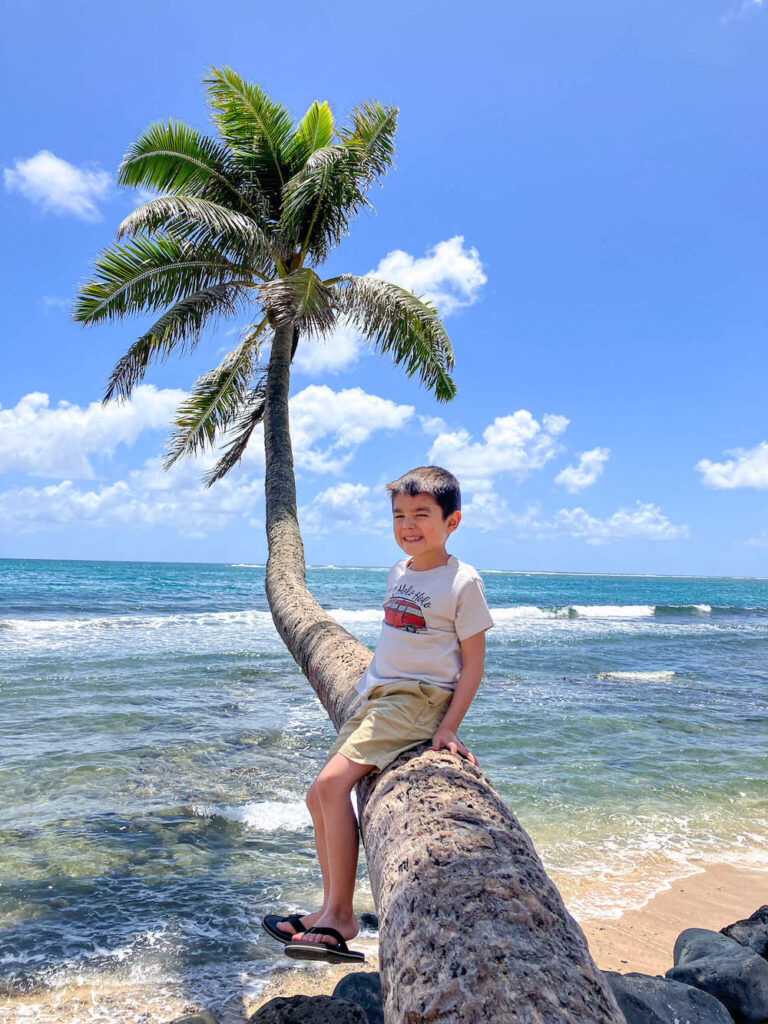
pixel 471 927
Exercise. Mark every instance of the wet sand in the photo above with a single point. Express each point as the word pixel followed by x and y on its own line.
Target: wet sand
pixel 642 940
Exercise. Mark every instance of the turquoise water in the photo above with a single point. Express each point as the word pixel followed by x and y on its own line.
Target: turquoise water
pixel 157 742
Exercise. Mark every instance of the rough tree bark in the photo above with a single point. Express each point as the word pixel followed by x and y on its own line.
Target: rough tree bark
pixel 471 928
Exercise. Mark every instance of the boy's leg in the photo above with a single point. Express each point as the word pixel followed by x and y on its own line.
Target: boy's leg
pixel 338 828
pixel 315 810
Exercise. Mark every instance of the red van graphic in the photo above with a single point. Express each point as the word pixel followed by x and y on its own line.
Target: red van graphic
pixel 404 615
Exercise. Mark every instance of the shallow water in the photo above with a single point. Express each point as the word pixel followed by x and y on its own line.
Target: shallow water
pixel 158 740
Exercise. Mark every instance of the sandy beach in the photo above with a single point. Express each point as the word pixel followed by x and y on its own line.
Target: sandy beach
pixel 640 940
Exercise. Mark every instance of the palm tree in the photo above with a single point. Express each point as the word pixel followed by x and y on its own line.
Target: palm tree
pixel 241 223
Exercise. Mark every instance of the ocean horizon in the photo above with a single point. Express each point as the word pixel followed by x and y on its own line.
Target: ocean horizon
pixel 158 740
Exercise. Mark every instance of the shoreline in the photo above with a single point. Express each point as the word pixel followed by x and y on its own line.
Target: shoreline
pixel 641 940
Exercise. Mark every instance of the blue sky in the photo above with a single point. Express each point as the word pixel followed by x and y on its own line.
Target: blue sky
pixel 582 188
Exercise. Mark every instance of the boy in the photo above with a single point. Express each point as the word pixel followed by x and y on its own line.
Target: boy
pixel 422 679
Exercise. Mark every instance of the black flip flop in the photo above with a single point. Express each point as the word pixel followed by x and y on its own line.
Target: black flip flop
pixel 271 921
pixel 338 954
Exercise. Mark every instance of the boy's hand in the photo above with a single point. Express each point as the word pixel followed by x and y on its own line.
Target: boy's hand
pixel 447 738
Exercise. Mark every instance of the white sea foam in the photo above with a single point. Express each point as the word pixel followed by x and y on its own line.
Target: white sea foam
pixel 261 816
pixel 356 614
pixel 651 677
pixel 611 611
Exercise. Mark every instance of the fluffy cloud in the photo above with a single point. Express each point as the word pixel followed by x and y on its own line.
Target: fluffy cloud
pixel 488 511
pixel 346 418
pixel 57 186
pixel 58 442
pixel 747 468
pixel 588 469
pixel 450 275
pixel 516 444
pixel 343 507
pixel 327 428
pixel 333 354
pixel 149 498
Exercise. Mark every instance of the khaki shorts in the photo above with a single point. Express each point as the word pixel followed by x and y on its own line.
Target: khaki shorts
pixel 391 719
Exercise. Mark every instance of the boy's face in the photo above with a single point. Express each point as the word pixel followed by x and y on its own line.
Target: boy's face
pixel 420 529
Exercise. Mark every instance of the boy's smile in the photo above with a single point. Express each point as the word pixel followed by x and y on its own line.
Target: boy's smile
pixel 421 531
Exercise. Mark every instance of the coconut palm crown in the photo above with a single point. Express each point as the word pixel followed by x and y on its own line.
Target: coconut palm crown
pixel 239 226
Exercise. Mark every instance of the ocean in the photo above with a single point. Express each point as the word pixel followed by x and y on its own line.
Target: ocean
pixel 157 741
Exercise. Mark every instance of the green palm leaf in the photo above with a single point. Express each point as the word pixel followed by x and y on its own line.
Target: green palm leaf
pixel 314 131
pixel 321 200
pixel 254 126
pixel 177 159
pixel 178 329
pixel 396 321
pixel 203 221
pixel 148 273
pixel 372 137
pixel 215 399
pixel 249 417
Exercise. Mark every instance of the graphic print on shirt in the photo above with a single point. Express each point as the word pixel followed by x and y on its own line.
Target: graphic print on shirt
pixel 403 609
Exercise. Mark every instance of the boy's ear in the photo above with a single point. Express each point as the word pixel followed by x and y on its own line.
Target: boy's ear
pixel 453 520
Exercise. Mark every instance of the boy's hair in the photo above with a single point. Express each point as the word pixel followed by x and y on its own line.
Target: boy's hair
pixel 433 480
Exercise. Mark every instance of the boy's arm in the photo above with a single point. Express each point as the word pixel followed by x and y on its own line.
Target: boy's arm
pixel 472 663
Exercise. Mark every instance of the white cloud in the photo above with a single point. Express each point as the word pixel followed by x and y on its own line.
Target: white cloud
pixel 346 418
pixel 337 352
pixel 748 468
pixel 60 187
pixel 343 508
pixel 516 444
pixel 450 275
pixel 60 442
pixel 747 8
pixel 646 522
pixel 589 468
pixel 149 498
pixel 488 511
pixel 56 302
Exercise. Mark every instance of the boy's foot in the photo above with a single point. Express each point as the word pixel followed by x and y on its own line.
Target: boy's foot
pixel 307 921
pixel 312 947
pixel 348 927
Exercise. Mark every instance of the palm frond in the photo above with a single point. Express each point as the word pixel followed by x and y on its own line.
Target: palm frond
pixel 320 201
pixel 396 321
pixel 178 330
pixel 149 273
pixel 254 126
pixel 174 158
pixel 215 399
pixel 300 298
pixel 251 414
pixel 203 221
pixel 372 138
pixel 313 132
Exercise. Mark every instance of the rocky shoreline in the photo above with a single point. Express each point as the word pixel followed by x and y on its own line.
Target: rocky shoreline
pixel 717 977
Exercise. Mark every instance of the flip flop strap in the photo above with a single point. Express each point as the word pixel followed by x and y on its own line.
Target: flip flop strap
pixel 294 920
pixel 342 945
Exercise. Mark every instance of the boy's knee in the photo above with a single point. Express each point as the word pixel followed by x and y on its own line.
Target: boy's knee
pixel 313 797
pixel 328 786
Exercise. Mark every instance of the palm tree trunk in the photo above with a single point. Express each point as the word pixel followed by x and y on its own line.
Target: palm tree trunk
pixel 471 928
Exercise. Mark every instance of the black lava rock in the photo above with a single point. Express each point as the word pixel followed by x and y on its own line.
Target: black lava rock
pixel 752 932
pixel 363 988
pixel 647 1000
pixel 730 972
pixel 308 1010
pixel 369 921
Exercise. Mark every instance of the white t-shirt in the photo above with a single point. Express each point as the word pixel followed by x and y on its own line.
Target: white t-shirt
pixel 426 616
